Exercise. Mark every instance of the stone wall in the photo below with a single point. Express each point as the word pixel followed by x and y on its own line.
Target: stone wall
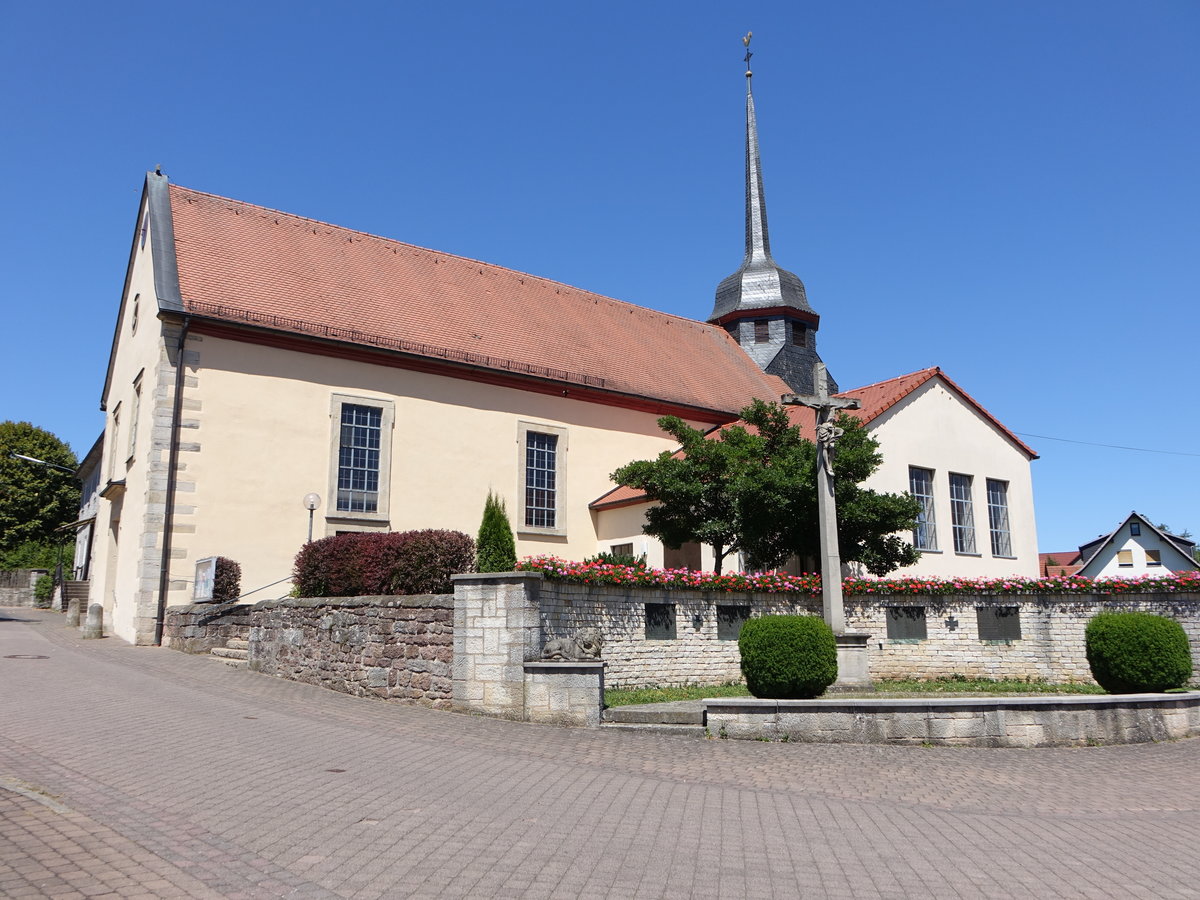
pixel 16 586
pixel 973 722
pixel 398 648
pixel 390 647
pixel 1051 647
pixel 198 627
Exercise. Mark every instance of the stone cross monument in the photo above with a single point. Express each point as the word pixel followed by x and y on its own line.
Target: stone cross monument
pixel 828 433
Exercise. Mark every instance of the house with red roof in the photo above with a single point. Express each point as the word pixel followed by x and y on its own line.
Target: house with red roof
pixel 260 357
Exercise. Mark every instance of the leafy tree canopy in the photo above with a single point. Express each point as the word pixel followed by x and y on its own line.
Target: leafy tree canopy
pixel 754 490
pixel 34 499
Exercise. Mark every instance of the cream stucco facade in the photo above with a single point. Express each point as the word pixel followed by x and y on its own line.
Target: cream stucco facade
pixel 934 429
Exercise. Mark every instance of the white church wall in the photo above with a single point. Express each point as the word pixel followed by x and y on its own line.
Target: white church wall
pixel 934 429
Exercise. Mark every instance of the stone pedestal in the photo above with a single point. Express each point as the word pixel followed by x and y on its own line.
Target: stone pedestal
pixel 853 665
pixel 564 693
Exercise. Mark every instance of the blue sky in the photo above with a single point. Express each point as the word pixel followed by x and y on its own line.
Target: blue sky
pixel 1004 189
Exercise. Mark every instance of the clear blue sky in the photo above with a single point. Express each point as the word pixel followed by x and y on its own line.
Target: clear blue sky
pixel 1005 189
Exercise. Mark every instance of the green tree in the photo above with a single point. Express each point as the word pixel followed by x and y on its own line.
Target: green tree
pixel 34 499
pixel 754 490
pixel 495 548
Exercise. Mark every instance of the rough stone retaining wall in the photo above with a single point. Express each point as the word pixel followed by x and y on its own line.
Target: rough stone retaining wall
pixel 16 586
pixel 391 647
pixel 1051 647
pixel 198 627
pixel 983 722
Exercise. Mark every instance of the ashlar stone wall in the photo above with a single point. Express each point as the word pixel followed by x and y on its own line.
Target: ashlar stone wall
pixel 1051 646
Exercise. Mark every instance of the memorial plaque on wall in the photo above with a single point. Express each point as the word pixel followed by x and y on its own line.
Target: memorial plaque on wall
pixel 206 573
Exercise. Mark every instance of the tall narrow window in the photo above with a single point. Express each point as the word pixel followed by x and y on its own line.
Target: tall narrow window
pixel 997 493
pixel 762 331
pixel 133 418
pixel 542 477
pixel 920 485
pixel 114 446
pixel 358 459
pixel 541 482
pixel 962 516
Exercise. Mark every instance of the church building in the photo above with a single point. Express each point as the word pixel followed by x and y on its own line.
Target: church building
pixel 260 357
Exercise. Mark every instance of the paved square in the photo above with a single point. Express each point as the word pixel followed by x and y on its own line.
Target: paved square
pixel 141 772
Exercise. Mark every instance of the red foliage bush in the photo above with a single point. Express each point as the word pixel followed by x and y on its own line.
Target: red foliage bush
pixel 368 564
pixel 227 580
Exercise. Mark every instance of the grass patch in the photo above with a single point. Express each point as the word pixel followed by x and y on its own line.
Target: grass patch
pixel 630 696
pixel 962 685
pixel 952 685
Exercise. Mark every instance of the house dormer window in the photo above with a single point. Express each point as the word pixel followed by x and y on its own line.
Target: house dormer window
pixel 1135 528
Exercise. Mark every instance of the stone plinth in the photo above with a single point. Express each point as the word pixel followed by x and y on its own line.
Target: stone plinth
pixel 854 672
pixel 564 693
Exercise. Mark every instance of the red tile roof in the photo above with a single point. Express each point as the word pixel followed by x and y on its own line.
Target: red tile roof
pixel 876 399
pixel 1068 562
pixel 246 264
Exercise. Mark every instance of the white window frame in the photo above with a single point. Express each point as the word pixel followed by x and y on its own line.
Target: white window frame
pixel 999 521
pixel 387 420
pixel 114 447
pixel 962 514
pixel 560 478
pixel 926 518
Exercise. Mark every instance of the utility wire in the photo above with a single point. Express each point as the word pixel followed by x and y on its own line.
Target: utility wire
pixel 1044 437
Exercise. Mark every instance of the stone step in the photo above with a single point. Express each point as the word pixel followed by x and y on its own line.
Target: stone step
pixel 690 712
pixel 230 661
pixel 230 653
pixel 237 644
pixel 692 731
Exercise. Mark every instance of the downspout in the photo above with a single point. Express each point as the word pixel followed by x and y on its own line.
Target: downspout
pixel 164 578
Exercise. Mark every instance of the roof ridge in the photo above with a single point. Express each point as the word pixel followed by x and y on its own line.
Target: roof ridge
pixel 931 370
pixel 467 259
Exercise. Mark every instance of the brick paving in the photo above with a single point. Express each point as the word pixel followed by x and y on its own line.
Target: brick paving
pixel 142 772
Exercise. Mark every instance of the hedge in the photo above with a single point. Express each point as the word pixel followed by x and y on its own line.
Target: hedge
pixel 372 564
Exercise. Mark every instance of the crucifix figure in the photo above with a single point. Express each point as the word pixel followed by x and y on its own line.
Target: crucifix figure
pixel 826 407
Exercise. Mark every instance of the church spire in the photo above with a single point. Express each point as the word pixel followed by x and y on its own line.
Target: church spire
pixel 762 304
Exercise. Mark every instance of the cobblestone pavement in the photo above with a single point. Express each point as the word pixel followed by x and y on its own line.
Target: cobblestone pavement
pixel 142 772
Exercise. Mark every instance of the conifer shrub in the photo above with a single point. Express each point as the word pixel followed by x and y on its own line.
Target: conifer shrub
pixel 227 580
pixel 1137 652
pixel 788 657
pixel 373 564
pixel 495 548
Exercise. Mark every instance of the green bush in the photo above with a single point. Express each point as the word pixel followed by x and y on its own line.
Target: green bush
pixel 1137 652
pixel 495 549
pixel 35 555
pixel 227 581
pixel 43 591
pixel 788 657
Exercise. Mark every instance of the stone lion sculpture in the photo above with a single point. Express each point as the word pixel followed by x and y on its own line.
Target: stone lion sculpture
pixel 585 645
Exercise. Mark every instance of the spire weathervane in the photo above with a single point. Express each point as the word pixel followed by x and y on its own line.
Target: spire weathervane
pixel 749 52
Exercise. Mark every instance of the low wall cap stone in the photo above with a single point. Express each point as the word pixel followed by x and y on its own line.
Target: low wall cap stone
pixel 485 577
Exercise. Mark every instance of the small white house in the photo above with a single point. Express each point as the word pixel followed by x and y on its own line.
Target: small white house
pixel 1134 549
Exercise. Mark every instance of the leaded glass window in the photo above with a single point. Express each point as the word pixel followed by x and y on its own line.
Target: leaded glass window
pixel 962 515
pixel 358 458
pixel 920 485
pixel 997 492
pixel 541 482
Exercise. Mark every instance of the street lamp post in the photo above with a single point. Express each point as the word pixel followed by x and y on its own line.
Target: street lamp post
pixel 311 502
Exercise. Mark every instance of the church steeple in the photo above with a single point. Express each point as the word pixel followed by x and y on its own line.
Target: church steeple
pixel 762 304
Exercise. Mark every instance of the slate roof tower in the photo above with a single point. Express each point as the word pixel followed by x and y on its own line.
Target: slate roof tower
pixel 763 305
